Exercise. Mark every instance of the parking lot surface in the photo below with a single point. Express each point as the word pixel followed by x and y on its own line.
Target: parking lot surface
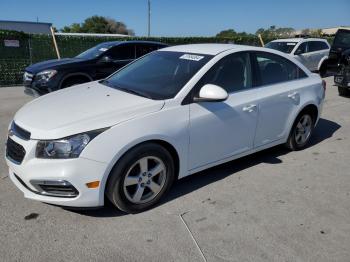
pixel 275 205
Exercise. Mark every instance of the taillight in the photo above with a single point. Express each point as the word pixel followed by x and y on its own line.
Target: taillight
pixel 324 85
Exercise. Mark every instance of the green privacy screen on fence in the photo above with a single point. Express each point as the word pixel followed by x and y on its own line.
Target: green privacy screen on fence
pixel 18 50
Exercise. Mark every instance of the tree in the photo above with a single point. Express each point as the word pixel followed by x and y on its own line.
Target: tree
pixel 98 24
pixel 275 32
pixel 227 33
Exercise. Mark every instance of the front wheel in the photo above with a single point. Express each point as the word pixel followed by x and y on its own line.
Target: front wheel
pixel 301 131
pixel 141 178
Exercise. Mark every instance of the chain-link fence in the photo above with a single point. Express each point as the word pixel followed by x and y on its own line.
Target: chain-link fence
pixel 18 50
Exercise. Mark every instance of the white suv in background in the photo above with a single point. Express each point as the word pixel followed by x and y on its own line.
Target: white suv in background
pixel 311 52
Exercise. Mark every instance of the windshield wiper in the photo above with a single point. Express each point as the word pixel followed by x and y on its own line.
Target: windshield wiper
pixel 128 90
pixel 134 92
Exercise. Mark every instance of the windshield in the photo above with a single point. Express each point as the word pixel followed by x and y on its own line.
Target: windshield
pixel 94 51
pixel 158 75
pixel 342 39
pixel 285 47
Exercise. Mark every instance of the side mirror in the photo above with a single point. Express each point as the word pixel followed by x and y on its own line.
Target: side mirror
pixel 298 52
pixel 105 59
pixel 211 93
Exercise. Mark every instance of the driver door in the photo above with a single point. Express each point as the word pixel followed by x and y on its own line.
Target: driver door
pixel 219 130
pixel 120 56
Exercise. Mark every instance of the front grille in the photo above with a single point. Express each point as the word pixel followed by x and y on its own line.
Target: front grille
pixel 20 132
pixel 15 151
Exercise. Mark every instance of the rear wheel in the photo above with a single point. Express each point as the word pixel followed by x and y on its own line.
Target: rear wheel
pixel 301 131
pixel 323 69
pixel 141 178
pixel 343 91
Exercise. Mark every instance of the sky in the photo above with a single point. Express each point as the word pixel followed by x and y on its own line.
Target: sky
pixel 185 18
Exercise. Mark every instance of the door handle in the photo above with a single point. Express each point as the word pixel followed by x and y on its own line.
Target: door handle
pixel 249 108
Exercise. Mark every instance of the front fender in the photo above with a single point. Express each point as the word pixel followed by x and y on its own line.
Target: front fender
pixel 111 145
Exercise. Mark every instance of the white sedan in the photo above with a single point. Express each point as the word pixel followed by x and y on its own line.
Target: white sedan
pixel 169 114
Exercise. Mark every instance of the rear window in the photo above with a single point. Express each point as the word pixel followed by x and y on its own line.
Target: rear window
pixel 285 47
pixel 342 39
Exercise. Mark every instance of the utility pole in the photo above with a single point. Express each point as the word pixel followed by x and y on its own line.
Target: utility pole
pixel 149 18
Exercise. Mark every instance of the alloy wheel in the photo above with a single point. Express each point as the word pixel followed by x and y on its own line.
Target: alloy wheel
pixel 303 129
pixel 144 180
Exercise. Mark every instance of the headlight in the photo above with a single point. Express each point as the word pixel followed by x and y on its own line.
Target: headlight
pixel 69 147
pixel 45 75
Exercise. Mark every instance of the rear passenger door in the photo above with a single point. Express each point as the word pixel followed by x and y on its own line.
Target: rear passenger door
pixel 279 96
pixel 317 50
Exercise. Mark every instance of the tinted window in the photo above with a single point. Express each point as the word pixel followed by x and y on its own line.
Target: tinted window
pixel 302 48
pixel 158 75
pixel 276 69
pixel 123 52
pixel 342 39
pixel 233 73
pixel 95 51
pixel 317 45
pixel 285 47
pixel 144 49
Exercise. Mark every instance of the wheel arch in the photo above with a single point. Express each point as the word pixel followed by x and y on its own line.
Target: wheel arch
pixel 321 62
pixel 162 142
pixel 310 107
pixel 72 75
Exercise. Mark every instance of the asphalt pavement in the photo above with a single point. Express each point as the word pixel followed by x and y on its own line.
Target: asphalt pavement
pixel 275 205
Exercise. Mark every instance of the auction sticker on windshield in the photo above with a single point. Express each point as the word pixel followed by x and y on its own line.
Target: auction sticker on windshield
pixel 191 57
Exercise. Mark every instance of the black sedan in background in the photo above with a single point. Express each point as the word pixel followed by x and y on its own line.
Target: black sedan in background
pixel 93 64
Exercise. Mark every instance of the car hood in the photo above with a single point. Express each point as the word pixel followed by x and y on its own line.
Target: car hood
pixel 81 108
pixel 51 64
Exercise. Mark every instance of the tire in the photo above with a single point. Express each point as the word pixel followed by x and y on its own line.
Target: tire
pixel 343 91
pixel 297 140
pixel 323 70
pixel 130 176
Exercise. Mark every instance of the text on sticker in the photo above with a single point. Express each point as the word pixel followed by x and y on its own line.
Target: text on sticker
pixel 191 57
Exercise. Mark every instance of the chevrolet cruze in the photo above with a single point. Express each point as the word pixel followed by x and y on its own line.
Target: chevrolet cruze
pixel 167 115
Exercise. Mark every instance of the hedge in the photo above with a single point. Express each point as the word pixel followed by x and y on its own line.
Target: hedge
pixel 35 48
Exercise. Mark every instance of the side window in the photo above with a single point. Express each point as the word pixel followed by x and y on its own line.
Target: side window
pixel 302 49
pixel 143 49
pixel 233 73
pixel 276 69
pixel 123 52
pixel 315 46
pixel 324 45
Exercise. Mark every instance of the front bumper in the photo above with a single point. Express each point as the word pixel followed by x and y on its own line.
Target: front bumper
pixel 77 172
pixel 36 88
pixel 342 79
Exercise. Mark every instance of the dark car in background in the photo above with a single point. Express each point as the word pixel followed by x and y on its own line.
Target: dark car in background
pixel 339 61
pixel 340 44
pixel 95 63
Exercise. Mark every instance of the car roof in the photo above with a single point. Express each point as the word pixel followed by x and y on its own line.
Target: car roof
pixel 297 40
pixel 205 49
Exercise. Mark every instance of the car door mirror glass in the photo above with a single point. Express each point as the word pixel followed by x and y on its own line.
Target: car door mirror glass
pixel 211 93
pixel 106 59
pixel 298 52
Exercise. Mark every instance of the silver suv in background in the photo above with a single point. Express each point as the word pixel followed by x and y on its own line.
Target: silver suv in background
pixel 311 52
